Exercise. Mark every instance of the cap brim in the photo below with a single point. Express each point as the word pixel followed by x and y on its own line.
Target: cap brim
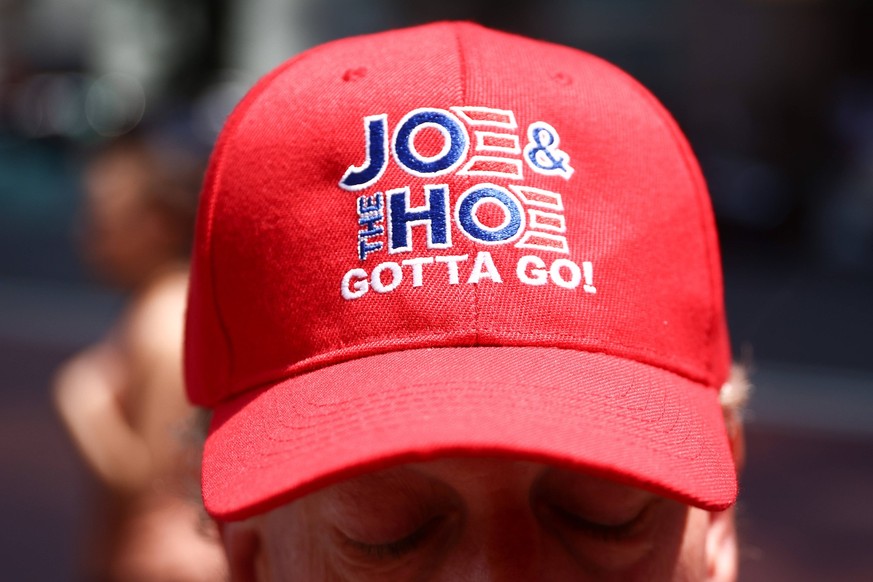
pixel 617 418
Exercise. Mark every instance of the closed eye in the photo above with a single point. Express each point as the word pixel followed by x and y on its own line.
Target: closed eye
pixel 396 548
pixel 607 532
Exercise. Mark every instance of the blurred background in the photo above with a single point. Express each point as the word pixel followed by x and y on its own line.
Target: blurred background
pixel 776 97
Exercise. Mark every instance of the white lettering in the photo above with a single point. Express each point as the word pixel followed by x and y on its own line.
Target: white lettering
pixel 451 262
pixel 484 267
pixel 557 276
pixel 531 270
pixel 537 276
pixel 588 272
pixel 360 285
pixel 417 270
pixel 376 277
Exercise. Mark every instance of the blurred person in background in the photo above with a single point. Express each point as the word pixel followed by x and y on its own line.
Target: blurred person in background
pixel 122 400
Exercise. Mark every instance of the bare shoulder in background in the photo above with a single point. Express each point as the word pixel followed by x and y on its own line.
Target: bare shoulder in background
pixel 122 399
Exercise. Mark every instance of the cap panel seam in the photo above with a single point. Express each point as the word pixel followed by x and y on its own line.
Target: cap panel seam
pixel 711 256
pixel 212 187
pixel 700 191
pixel 225 142
pixel 462 74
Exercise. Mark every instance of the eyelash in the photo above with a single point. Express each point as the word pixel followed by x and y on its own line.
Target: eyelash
pixel 603 532
pixel 397 548
pixel 409 543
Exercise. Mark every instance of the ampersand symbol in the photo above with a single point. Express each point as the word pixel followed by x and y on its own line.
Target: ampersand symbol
pixel 542 153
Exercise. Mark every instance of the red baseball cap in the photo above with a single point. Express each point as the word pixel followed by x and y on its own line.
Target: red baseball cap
pixel 447 240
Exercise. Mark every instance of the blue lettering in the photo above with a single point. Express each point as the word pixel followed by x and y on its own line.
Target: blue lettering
pixel 366 247
pixel 401 218
pixel 369 216
pixel 455 145
pixel 468 222
pixel 376 138
pixel 542 152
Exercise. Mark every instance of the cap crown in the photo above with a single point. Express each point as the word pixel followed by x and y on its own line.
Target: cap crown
pixel 449 185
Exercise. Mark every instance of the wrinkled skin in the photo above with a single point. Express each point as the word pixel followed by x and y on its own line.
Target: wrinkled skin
pixel 482 519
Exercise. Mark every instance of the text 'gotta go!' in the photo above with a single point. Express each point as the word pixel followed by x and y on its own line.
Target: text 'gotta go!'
pixel 530 270
pixel 532 218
